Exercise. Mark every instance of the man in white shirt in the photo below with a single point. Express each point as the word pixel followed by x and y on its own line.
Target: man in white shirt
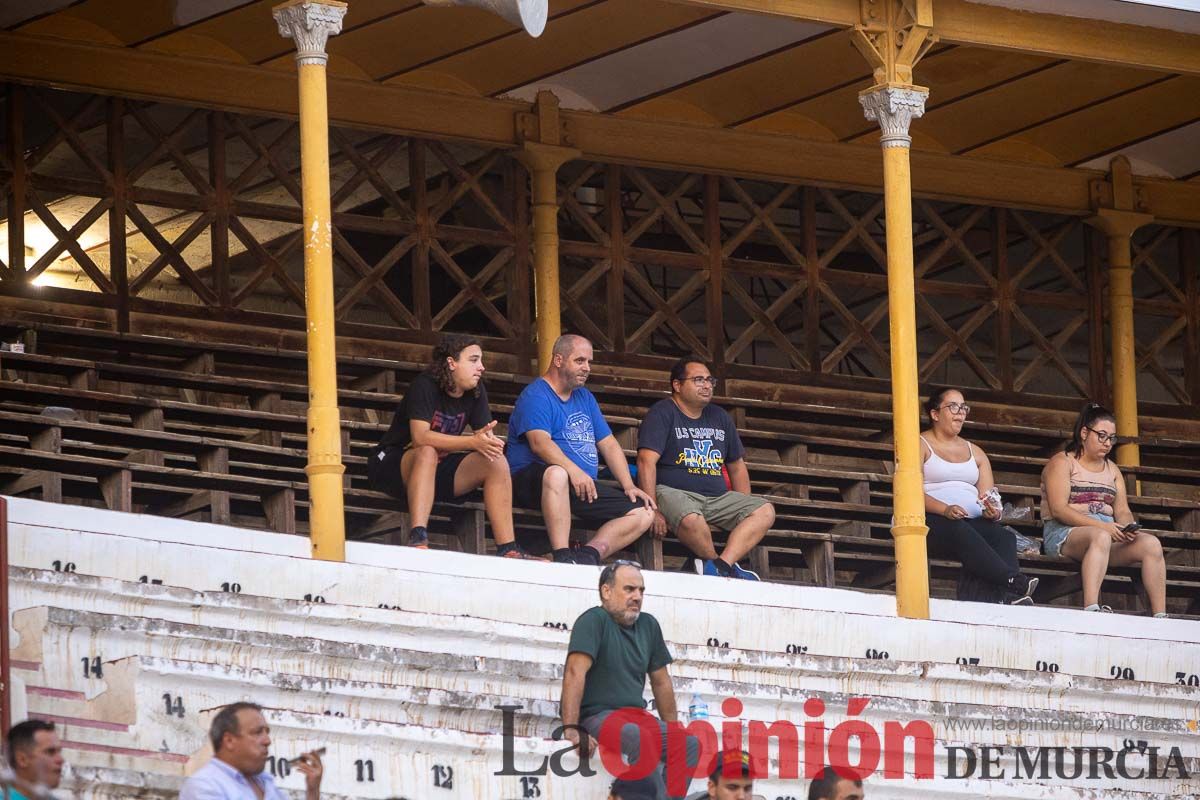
pixel 241 740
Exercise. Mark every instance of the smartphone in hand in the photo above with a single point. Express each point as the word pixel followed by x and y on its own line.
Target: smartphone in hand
pixel 1132 527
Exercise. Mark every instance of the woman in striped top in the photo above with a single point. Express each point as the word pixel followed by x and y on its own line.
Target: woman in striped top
pixel 1086 516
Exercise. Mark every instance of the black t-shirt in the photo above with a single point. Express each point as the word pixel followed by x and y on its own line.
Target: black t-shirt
pixel 445 414
pixel 691 451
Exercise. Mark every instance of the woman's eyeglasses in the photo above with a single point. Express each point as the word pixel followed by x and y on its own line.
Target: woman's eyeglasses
pixel 955 408
pixel 1102 437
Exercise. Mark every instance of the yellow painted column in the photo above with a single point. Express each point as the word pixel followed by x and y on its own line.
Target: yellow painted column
pixel 543 161
pixel 894 106
pixel 310 23
pixel 1118 226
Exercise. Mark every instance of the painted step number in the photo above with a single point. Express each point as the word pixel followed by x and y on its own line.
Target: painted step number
pixel 174 705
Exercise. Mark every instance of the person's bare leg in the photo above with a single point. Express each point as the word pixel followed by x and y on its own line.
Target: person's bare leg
pixel 556 506
pixel 1147 549
pixel 418 469
pixel 747 533
pixel 1090 547
pixel 496 480
pixel 694 534
pixel 619 533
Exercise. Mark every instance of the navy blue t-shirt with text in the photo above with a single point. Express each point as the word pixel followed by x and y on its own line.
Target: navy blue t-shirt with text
pixel 691 451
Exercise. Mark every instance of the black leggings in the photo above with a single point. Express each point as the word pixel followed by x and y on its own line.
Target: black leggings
pixel 986 549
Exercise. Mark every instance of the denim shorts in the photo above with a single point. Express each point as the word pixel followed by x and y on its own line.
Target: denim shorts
pixel 1054 534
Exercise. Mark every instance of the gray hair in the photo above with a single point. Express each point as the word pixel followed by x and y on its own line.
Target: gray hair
pixel 566 344
pixel 226 721
pixel 608 575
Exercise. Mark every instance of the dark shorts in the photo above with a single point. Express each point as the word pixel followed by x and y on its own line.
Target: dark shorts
pixel 610 503
pixel 384 474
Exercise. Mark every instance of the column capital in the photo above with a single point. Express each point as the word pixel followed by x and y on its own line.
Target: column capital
pixel 1118 222
pixel 310 23
pixel 545 157
pixel 894 106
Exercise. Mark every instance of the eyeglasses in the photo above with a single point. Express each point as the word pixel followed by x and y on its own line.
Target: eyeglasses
pixel 954 408
pixel 1102 437
pixel 612 567
pixel 703 380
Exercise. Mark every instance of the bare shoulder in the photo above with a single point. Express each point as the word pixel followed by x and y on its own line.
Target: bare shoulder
pixel 980 455
pixel 1057 462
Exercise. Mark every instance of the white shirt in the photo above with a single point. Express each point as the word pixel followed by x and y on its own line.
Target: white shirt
pixel 217 780
pixel 953 482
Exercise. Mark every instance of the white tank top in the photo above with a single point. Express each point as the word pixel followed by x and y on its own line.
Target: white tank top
pixel 953 482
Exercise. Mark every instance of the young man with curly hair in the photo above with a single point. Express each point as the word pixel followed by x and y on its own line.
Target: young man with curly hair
pixel 442 445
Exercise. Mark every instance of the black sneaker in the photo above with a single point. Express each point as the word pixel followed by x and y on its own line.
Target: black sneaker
pixel 587 555
pixel 1021 585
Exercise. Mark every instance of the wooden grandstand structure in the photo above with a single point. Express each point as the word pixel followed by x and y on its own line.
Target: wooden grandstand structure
pixel 154 223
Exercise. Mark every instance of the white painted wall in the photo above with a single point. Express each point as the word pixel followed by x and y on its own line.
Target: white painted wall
pixel 415 684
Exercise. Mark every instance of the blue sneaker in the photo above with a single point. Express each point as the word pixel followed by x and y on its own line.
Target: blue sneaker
pixel 744 574
pixel 705 566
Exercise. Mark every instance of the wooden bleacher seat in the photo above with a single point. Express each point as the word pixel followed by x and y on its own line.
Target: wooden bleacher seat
pixel 191 433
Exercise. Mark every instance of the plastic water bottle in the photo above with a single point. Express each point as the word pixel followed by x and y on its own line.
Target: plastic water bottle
pixel 697 708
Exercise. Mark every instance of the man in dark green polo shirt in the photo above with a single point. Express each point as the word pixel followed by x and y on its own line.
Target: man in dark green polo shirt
pixel 613 648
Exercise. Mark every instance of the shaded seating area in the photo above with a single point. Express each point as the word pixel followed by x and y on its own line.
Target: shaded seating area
pixel 215 431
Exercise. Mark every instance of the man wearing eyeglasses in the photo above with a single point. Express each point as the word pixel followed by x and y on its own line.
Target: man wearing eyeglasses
pixel 685 445
pixel 614 647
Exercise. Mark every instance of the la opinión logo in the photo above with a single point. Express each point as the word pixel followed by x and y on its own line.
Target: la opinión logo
pixel 810 738
pixel 811 743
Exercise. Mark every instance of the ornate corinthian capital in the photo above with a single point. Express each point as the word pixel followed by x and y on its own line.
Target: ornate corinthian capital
pixel 310 24
pixel 894 108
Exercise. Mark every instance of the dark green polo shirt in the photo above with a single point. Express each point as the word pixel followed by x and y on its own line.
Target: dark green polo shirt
pixel 621 659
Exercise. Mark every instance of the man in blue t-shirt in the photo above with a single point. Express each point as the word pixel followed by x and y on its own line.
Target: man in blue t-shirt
pixel 556 437
pixel 685 446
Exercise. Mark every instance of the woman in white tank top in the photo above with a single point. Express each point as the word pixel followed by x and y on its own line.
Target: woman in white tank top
pixel 958 476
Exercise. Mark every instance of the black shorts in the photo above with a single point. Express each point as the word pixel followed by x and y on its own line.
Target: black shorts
pixel 610 503
pixel 384 474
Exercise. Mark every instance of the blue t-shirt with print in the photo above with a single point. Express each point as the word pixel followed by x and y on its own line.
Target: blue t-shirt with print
pixel 575 425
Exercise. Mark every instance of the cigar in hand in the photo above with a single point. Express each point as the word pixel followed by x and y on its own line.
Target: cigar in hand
pixel 320 751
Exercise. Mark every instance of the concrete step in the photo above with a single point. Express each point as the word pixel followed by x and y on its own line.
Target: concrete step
pixel 715 670
pixel 294 729
pixel 66 631
pixel 417 681
pixel 692 609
